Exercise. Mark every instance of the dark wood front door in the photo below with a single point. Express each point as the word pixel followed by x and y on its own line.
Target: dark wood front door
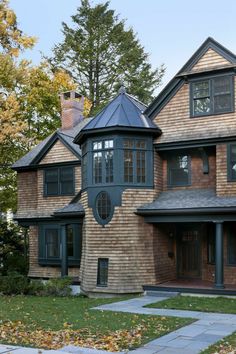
pixel 188 245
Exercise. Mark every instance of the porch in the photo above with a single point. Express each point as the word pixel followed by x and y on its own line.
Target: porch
pixel 193 286
pixel 195 240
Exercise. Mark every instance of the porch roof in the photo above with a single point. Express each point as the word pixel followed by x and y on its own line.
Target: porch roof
pixel 188 201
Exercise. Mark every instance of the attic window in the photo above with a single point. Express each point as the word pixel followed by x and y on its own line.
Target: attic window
pixel 212 96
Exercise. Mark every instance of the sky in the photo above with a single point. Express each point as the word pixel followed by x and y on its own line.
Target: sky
pixel 170 30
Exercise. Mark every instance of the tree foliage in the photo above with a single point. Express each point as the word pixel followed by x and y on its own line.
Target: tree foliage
pixel 29 101
pixel 100 53
pixel 12 39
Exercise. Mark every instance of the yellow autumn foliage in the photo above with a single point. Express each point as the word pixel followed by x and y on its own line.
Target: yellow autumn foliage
pixel 12 40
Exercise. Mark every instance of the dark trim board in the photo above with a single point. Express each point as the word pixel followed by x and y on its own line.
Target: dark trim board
pixel 192 143
pixel 188 218
pixel 213 291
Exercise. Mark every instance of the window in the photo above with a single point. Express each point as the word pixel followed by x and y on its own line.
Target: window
pixel 232 162
pixel 103 161
pixel 134 161
pixel 104 207
pixel 59 181
pixel 178 170
pixel 232 245
pixel 102 273
pixel 50 244
pixel 212 96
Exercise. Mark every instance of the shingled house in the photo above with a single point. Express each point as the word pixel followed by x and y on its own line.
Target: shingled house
pixel 139 196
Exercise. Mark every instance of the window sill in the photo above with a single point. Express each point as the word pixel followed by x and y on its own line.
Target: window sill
pixel 211 114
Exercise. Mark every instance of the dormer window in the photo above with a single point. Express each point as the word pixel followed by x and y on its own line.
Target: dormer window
pixel 212 96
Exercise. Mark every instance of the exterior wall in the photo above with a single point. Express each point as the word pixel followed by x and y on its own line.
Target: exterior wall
pixel 27 191
pixel 208 270
pixel 198 178
pixel 58 153
pixel 35 270
pixel 49 204
pixel 223 186
pixel 31 200
pixel 210 60
pixel 158 173
pixel 176 125
pixel 126 240
pixel 165 266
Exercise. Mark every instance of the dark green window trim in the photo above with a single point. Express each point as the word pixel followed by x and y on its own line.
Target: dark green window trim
pixel 57 179
pixel 102 272
pixel 73 260
pixel 142 162
pixel 103 209
pixel 210 96
pixel 174 168
pixel 103 161
pixel 135 161
pixel 231 246
pixel 231 162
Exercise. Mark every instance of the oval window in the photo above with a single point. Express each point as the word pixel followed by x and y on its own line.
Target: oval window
pixel 104 206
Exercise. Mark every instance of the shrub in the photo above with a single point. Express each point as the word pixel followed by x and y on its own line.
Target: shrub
pixel 14 284
pixel 58 287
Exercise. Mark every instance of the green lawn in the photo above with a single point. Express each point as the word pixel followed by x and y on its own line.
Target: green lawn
pixel 205 304
pixel 225 346
pixel 194 303
pixel 47 322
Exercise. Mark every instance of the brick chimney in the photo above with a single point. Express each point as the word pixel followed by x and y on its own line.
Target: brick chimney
pixel 72 105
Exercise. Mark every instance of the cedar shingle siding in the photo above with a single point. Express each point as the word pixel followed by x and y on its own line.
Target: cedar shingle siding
pixel 140 252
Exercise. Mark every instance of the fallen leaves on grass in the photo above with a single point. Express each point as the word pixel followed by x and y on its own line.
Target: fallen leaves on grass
pixel 225 348
pixel 18 333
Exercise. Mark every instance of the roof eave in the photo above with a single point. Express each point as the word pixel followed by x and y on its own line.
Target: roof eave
pixel 117 128
pixel 183 211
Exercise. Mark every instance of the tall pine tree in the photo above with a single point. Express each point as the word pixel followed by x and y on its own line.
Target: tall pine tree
pixel 100 54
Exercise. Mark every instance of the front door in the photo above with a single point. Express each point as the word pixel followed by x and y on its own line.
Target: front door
pixel 188 247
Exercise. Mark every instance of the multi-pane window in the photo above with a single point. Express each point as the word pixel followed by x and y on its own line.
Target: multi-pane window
pixel 134 160
pixel 52 243
pixel 179 170
pixel 211 96
pixel 102 273
pixel 59 181
pixel 232 162
pixel 50 248
pixel 232 245
pixel 103 161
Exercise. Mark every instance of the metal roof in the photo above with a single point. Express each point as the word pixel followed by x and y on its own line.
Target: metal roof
pixel 124 111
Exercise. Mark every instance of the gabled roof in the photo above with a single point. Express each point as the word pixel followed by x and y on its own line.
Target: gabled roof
pixel 33 157
pixel 124 111
pixel 177 82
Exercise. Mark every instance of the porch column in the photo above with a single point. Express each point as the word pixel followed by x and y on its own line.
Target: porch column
pixel 219 256
pixel 64 258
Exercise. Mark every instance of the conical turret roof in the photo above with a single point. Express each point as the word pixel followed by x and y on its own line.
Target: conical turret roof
pixel 125 112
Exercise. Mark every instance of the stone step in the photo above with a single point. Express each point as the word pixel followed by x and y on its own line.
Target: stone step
pixel 161 293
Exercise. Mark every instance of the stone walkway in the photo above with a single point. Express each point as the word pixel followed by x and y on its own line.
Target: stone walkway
pixel 191 339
